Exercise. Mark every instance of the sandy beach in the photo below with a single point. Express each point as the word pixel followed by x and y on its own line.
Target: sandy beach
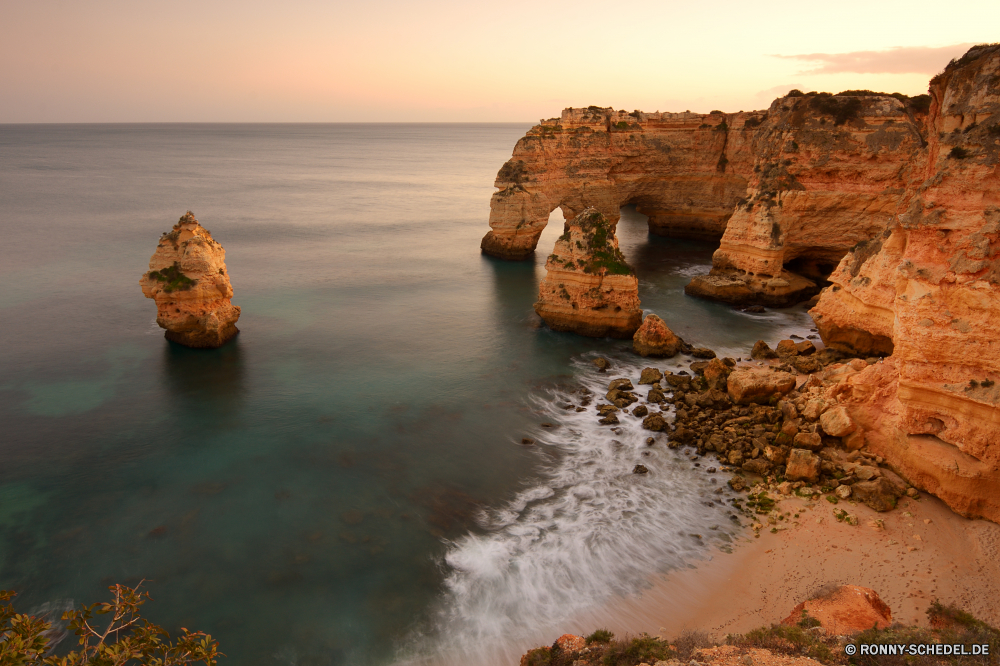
pixel 923 551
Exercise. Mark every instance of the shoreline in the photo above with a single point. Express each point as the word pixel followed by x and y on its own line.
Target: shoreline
pixel 924 552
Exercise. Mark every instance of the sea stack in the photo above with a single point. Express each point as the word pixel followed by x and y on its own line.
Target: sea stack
pixel 188 279
pixel 589 288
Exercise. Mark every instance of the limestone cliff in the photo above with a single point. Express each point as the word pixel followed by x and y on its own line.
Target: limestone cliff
pixel 686 171
pixel 588 286
pixel 926 290
pixel 188 279
pixel 830 172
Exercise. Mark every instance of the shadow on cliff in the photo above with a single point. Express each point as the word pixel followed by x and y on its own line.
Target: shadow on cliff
pixel 212 378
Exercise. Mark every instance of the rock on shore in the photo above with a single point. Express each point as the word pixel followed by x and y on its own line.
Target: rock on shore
pixel 188 279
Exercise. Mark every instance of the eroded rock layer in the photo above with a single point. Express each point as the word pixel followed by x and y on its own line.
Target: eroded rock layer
pixel 686 171
pixel 188 279
pixel 830 172
pixel 926 290
pixel 588 287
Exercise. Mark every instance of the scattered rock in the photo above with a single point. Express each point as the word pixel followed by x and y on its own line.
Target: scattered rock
pixel 640 469
pixel 610 419
pixel 641 410
pixel 602 363
pixel 622 384
pixel 737 483
pixel 878 493
pixel 654 422
pixel 808 440
pixel 654 338
pixel 802 466
pixel 527 441
pixel 805 348
pixel 655 395
pixel 748 385
pixel 716 373
pixel 702 352
pixel 761 351
pixel 843 492
pixel 787 348
pixel 650 376
pixel 836 422
pixel 758 466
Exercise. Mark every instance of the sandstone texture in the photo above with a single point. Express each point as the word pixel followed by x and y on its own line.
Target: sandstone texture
pixel 686 171
pixel 588 287
pixel 747 385
pixel 925 290
pixel 844 611
pixel 654 338
pixel 188 279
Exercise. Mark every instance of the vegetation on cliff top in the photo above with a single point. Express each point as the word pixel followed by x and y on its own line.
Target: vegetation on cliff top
pixel 948 625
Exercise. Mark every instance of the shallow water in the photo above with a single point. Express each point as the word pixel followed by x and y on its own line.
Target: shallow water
pixel 344 483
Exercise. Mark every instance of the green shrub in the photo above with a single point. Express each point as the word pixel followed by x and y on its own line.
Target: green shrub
pixel 842 110
pixel 176 281
pixel 795 92
pixel 126 638
pixel 600 636
pixel 634 651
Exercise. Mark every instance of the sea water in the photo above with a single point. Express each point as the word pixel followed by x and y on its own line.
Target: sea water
pixel 345 482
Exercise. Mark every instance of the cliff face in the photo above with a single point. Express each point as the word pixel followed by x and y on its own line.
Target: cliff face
pixel 829 172
pixel 588 287
pixel 686 171
pixel 926 290
pixel 187 278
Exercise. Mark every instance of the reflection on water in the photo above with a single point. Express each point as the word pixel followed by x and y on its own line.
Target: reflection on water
pixel 212 378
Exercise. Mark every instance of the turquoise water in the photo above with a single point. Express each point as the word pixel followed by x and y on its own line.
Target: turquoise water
pixel 344 483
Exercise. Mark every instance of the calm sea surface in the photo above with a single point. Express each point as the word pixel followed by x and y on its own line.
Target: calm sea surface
pixel 344 483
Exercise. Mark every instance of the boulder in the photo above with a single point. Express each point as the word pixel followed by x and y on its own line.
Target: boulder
pixel 601 363
pixel 806 365
pixel 716 373
pixel 758 466
pixel 805 348
pixel 878 493
pixel 802 466
pixel 787 348
pixel 847 610
pixel 610 419
pixel 761 351
pixel 843 492
pixel 641 410
pixel 836 422
pixel 655 395
pixel 654 338
pixel 650 376
pixel 814 409
pixel 748 385
pixel 640 469
pixel 737 483
pixel 654 422
pixel 702 352
pixel 808 440
pixel 776 454
pixel 622 383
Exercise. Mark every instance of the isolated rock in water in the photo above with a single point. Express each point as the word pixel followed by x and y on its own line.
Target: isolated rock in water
pixel 847 610
pixel 654 338
pixel 188 279
pixel 802 466
pixel 588 287
pixel 747 385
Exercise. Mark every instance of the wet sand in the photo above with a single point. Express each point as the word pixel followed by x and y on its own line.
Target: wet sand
pixel 924 552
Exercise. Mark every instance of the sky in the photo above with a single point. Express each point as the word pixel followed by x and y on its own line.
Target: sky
pixel 451 61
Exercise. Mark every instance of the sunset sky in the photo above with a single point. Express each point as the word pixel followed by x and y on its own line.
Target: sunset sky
pixel 443 60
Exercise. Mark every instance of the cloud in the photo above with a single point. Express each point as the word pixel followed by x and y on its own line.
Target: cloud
pixel 898 60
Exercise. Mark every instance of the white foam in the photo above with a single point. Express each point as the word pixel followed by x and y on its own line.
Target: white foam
pixel 589 530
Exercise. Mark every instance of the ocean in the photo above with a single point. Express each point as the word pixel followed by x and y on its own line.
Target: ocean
pixel 345 482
